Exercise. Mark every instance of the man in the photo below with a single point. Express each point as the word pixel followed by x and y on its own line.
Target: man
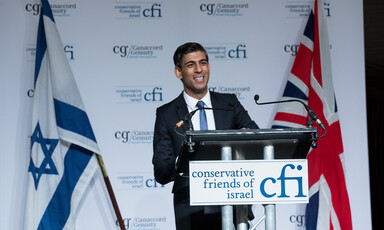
pixel 192 68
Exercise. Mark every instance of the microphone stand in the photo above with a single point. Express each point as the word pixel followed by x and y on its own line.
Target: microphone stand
pixel 312 115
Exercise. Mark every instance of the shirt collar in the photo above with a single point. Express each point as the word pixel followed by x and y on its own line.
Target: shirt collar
pixel 191 102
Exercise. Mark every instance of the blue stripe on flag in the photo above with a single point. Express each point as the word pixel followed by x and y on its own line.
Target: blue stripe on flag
pixel 59 208
pixel 293 91
pixel 335 105
pixel 41 47
pixel 46 9
pixel 73 119
pixel 311 212
pixel 41 44
pixel 309 31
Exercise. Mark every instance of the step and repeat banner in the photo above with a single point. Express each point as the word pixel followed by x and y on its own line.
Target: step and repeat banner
pixel 121 56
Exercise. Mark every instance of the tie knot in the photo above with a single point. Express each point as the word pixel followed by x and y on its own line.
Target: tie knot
pixel 200 104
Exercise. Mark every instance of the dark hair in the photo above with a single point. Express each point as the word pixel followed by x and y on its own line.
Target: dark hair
pixel 187 48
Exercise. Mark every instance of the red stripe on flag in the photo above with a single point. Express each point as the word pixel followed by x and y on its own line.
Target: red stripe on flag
pixel 289 117
pixel 302 66
pixel 316 50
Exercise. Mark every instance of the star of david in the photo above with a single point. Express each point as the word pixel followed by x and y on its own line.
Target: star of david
pixel 48 146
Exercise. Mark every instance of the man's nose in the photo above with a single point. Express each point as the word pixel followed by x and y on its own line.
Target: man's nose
pixel 198 68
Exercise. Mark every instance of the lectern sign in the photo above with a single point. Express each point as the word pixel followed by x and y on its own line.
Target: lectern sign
pixel 248 182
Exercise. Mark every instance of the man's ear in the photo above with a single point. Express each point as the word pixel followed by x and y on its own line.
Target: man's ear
pixel 178 73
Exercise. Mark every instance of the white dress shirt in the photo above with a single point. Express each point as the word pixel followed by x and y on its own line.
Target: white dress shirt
pixel 191 104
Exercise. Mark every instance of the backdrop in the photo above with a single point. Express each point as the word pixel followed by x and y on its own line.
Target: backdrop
pixel 121 55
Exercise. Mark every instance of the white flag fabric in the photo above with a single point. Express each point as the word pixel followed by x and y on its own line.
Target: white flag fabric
pixel 63 145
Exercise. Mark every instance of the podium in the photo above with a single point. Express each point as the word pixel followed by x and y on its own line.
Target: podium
pixel 247 144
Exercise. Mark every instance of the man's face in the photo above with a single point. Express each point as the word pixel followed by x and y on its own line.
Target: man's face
pixel 194 73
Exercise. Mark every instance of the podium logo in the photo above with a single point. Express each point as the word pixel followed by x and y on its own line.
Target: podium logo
pixel 283 180
pixel 138 10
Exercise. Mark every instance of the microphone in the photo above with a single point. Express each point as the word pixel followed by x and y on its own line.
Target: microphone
pixel 311 113
pixel 188 117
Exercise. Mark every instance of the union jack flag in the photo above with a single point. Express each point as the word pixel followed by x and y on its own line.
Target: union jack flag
pixel 311 82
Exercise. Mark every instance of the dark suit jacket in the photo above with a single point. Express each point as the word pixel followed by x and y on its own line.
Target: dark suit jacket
pixel 167 144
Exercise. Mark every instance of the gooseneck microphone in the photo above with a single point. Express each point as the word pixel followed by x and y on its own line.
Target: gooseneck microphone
pixel 187 118
pixel 311 113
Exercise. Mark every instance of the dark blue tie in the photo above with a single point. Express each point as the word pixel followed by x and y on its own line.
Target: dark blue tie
pixel 203 117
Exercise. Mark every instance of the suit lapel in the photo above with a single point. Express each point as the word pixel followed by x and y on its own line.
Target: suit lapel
pixel 221 116
pixel 181 108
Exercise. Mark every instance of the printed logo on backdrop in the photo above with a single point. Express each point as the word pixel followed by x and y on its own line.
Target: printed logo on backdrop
pixel 293 48
pixel 30 52
pixel 242 92
pixel 143 223
pixel 297 220
pixel 139 94
pixel 58 9
pixel 224 9
pixel 226 51
pixel 138 10
pixel 137 181
pixel 134 136
pixel 137 51
pixel 296 9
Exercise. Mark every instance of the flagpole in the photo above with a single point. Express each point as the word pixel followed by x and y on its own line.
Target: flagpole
pixel 110 192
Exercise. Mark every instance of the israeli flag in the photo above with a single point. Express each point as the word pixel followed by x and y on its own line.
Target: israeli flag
pixel 63 145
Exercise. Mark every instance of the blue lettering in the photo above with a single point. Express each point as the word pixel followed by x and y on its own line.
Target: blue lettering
pixel 152 183
pixel 154 95
pixel 151 12
pixel 69 49
pixel 235 53
pixel 283 178
pixel 262 187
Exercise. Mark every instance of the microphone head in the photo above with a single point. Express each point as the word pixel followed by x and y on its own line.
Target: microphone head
pixel 256 97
